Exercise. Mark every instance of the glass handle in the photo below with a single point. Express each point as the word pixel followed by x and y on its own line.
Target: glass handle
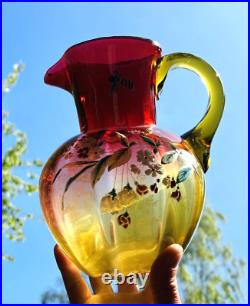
pixel 201 135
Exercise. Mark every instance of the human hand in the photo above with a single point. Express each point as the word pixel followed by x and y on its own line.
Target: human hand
pixel 161 287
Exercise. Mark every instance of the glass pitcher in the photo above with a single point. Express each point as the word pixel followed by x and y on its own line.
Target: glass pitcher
pixel 118 193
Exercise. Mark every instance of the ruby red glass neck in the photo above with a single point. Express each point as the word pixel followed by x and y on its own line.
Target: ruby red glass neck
pixel 112 80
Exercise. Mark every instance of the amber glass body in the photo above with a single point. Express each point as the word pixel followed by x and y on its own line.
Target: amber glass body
pixel 118 193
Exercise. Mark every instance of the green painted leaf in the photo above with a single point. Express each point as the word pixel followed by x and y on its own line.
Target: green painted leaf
pixel 168 157
pixel 183 174
pixel 158 143
pixel 99 134
pixel 99 169
pixel 148 140
pixel 73 164
pixel 173 147
pixel 132 143
pixel 123 139
pixel 72 179
pixel 119 158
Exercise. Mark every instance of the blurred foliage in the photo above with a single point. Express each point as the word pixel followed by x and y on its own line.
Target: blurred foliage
pixel 12 160
pixel 55 296
pixel 208 273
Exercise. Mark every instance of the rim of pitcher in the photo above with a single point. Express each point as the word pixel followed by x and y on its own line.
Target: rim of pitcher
pixel 153 42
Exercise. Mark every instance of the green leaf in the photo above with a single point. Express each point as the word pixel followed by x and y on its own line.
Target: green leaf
pixel 99 134
pixel 38 163
pixel 168 157
pixel 72 179
pixel 119 158
pixel 99 169
pixel 151 142
pixel 220 216
pixel 148 140
pixel 123 139
pixel 183 174
pixel 7 257
pixel 173 147
pixel 132 143
pixel 73 164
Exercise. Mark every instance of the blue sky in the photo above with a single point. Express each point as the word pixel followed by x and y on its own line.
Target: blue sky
pixel 39 33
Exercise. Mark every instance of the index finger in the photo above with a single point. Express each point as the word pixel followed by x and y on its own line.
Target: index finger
pixel 77 290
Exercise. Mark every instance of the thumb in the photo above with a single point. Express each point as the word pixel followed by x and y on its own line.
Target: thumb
pixel 163 281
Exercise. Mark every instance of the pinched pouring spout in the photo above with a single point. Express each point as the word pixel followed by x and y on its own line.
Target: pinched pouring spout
pixel 112 80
